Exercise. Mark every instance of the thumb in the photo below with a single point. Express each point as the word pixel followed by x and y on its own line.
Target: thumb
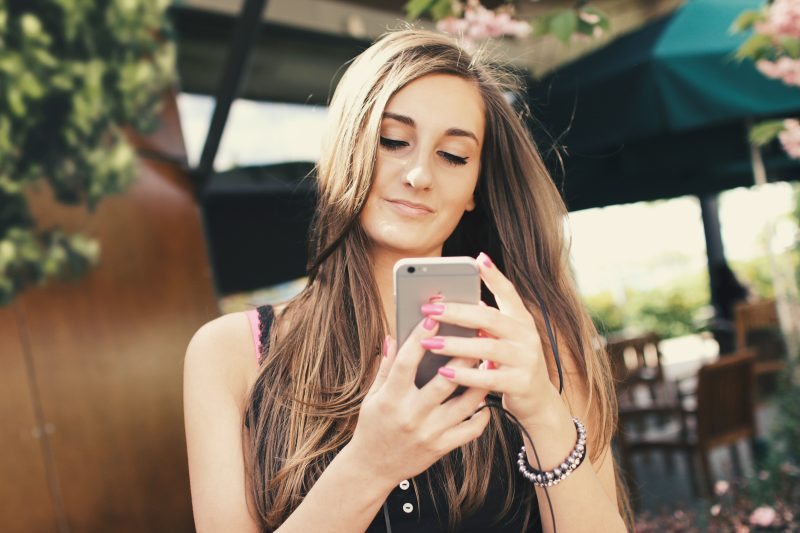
pixel 387 358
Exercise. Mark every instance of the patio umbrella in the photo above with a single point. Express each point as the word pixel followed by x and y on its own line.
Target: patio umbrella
pixel 661 112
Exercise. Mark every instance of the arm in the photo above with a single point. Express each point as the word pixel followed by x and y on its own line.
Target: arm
pixel 591 487
pixel 511 341
pixel 401 431
pixel 212 392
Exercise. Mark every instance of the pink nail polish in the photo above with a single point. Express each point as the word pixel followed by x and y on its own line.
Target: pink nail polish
pixel 449 373
pixel 433 343
pixel 429 323
pixel 483 258
pixel 435 298
pixel 386 345
pixel 432 309
pixel 490 365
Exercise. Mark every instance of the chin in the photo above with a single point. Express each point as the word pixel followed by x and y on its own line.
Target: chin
pixel 407 243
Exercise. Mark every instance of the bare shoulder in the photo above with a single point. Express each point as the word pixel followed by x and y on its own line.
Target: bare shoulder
pixel 223 351
pixel 224 348
pixel 219 366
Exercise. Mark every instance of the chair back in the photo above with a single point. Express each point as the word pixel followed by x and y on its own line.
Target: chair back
pixel 757 328
pixel 630 357
pixel 725 400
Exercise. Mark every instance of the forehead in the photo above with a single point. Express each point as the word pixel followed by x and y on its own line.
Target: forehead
pixel 441 102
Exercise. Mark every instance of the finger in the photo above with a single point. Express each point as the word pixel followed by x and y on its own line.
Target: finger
pixel 458 409
pixel 466 431
pixel 487 318
pixel 436 391
pixel 507 297
pixel 389 350
pixel 404 367
pixel 481 332
pixel 495 350
pixel 503 379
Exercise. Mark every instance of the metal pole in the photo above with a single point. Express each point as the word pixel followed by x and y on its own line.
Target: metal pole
pixel 230 84
pixel 785 286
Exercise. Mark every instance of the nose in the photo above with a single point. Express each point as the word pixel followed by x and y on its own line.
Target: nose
pixel 419 177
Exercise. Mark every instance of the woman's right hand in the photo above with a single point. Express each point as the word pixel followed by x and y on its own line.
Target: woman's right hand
pixel 403 430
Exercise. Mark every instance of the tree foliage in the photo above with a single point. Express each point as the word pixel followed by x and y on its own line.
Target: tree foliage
pixel 73 74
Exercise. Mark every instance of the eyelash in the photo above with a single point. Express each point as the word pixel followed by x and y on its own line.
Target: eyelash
pixel 451 159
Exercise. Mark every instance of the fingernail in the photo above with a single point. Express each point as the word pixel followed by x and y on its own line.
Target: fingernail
pixel 433 343
pixel 435 298
pixel 449 373
pixel 490 365
pixel 386 345
pixel 481 405
pixel 432 309
pixel 429 323
pixel 483 258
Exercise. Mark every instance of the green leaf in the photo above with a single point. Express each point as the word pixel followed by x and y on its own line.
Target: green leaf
pixel 764 132
pixel 541 25
pixel 791 45
pixel 441 9
pixel 415 8
pixel 563 24
pixel 584 27
pixel 746 20
pixel 604 22
pixel 756 47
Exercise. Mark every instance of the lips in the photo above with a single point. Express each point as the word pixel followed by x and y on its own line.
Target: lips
pixel 411 207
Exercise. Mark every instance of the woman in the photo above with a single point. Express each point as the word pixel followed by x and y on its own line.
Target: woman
pixel 424 157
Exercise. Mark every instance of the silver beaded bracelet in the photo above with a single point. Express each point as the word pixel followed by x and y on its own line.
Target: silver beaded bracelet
pixel 561 472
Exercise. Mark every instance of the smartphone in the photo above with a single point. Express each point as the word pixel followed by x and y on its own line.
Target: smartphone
pixel 416 282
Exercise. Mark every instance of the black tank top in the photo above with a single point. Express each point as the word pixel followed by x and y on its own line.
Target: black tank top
pixel 413 510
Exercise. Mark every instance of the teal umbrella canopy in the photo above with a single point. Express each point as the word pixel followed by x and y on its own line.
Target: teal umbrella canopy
pixel 661 112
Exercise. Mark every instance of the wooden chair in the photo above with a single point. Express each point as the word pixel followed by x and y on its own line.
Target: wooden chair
pixel 636 361
pixel 724 414
pixel 757 328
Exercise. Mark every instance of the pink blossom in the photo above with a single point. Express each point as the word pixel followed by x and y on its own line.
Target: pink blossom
pixel 783 19
pixel 790 137
pixel 589 18
pixel 784 68
pixel 763 516
pixel 480 23
pixel 715 509
pixel 721 487
pixel 452 25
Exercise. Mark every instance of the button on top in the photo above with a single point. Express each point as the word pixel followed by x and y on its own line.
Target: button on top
pixel 407 507
pixel 404 484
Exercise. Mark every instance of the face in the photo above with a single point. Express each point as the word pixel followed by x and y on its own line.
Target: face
pixel 427 165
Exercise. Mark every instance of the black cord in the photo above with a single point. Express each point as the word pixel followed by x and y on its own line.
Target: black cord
pixel 495 401
pixel 386 516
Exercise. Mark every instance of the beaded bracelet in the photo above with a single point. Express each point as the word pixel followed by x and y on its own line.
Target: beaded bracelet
pixel 559 473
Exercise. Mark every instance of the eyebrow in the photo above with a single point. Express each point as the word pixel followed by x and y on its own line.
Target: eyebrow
pixel 455 132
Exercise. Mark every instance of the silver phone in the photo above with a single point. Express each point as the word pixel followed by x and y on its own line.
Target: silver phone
pixel 416 281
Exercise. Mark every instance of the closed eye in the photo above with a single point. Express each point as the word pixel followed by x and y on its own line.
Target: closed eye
pixel 454 159
pixel 391 144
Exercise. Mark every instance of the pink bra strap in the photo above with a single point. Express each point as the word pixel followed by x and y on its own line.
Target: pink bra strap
pixel 252 316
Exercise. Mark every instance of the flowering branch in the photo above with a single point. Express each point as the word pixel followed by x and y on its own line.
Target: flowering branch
pixel 474 22
pixel 775 48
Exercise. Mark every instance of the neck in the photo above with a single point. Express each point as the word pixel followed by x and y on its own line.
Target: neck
pixel 383 261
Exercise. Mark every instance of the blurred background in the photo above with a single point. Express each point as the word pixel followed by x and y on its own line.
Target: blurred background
pixel 153 165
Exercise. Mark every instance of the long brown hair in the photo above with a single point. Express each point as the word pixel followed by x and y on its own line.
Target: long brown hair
pixel 304 404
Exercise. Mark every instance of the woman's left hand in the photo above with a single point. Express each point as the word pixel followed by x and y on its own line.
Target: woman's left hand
pixel 513 348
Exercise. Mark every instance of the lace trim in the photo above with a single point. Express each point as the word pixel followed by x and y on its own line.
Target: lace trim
pixel 265 317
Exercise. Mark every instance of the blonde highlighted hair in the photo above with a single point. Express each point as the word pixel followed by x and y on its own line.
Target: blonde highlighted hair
pixel 304 404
